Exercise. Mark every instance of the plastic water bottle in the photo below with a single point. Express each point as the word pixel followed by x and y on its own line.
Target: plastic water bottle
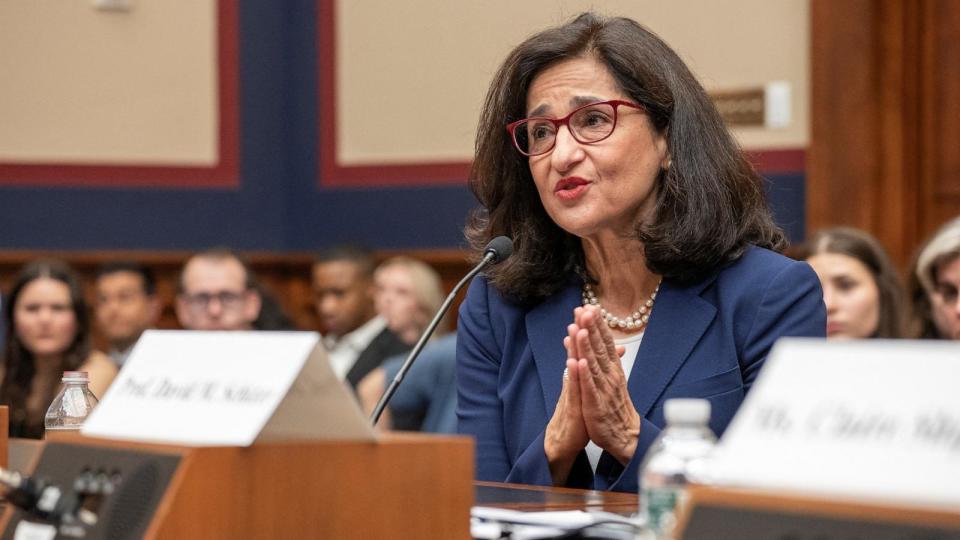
pixel 72 404
pixel 675 457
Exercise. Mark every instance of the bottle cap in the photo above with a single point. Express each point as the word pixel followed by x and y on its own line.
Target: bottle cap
pixel 75 376
pixel 687 411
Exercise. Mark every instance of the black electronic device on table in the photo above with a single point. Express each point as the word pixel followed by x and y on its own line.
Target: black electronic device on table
pixel 89 491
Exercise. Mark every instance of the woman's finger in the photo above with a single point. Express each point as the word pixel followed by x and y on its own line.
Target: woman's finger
pixel 589 321
pixel 605 336
pixel 602 340
pixel 589 393
pixel 572 351
pixel 595 369
pixel 572 382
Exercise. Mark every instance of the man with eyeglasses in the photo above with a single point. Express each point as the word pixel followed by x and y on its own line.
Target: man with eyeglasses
pixel 217 291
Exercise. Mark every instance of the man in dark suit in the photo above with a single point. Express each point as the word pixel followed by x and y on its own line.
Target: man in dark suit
pixel 357 340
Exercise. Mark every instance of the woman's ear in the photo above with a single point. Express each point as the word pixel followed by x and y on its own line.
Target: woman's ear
pixel 663 146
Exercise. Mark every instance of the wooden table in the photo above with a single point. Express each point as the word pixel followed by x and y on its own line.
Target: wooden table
pixel 540 498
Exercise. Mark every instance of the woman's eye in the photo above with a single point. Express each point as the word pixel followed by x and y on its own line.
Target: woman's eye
pixel 949 294
pixel 593 121
pixel 845 284
pixel 596 119
pixel 541 131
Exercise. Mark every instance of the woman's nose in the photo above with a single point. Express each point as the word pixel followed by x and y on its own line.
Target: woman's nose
pixel 567 151
pixel 828 298
pixel 45 315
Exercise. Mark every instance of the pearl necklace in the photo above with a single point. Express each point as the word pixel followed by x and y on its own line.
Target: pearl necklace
pixel 636 321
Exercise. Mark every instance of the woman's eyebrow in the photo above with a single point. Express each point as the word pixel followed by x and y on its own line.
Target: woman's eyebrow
pixel 575 101
pixel 539 111
pixel 579 101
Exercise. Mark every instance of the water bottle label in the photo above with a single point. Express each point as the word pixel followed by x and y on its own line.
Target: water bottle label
pixel 660 505
pixel 74 404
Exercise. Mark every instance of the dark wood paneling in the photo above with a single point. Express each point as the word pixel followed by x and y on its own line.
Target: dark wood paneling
pixel 885 102
pixel 942 112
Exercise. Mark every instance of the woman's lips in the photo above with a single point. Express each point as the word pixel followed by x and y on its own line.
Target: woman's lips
pixel 571 188
pixel 833 328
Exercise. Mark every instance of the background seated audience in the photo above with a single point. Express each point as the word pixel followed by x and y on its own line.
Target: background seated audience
pixel 48 332
pixel 934 282
pixel 217 291
pixel 271 316
pixel 356 338
pixel 126 305
pixel 428 394
pixel 408 293
pixel 861 289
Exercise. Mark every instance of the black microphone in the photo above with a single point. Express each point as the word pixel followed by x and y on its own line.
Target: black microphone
pixel 496 252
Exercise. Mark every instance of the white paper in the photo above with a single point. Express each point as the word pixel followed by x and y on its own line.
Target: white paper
pixel 492 522
pixel 27 530
pixel 207 388
pixel 867 420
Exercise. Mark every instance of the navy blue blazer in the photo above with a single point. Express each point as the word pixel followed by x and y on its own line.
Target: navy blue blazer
pixel 706 340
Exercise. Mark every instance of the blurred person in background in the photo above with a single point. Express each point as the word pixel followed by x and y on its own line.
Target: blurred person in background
pixel 861 289
pixel 408 294
pixel 934 282
pixel 356 338
pixel 47 325
pixel 127 304
pixel 272 316
pixel 217 291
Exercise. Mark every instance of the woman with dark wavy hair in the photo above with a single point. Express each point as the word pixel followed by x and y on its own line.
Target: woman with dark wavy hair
pixel 861 289
pixel 643 265
pixel 48 332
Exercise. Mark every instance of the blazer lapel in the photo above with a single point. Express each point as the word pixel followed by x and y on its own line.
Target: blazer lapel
pixel 546 327
pixel 680 316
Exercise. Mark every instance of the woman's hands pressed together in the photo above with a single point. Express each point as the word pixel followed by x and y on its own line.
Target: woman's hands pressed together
pixel 594 403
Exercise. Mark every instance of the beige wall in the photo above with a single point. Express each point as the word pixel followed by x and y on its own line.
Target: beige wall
pixel 401 64
pixel 86 86
pixel 81 85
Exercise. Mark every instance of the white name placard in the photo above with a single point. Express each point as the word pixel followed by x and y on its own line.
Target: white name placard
pixel 870 420
pixel 227 389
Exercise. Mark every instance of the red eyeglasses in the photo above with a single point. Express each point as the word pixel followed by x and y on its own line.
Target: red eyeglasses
pixel 589 124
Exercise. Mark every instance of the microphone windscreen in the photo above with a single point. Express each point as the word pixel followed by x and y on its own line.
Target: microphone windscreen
pixel 501 247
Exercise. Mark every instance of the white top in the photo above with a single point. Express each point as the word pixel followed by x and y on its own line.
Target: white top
pixel 632 346
pixel 345 350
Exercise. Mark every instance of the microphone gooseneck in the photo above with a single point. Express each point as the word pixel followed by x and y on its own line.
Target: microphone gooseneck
pixel 496 252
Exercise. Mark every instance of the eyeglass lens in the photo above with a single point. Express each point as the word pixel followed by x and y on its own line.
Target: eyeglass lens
pixel 589 124
pixel 227 299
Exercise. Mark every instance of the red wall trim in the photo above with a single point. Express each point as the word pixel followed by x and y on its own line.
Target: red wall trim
pixel 779 161
pixel 224 174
